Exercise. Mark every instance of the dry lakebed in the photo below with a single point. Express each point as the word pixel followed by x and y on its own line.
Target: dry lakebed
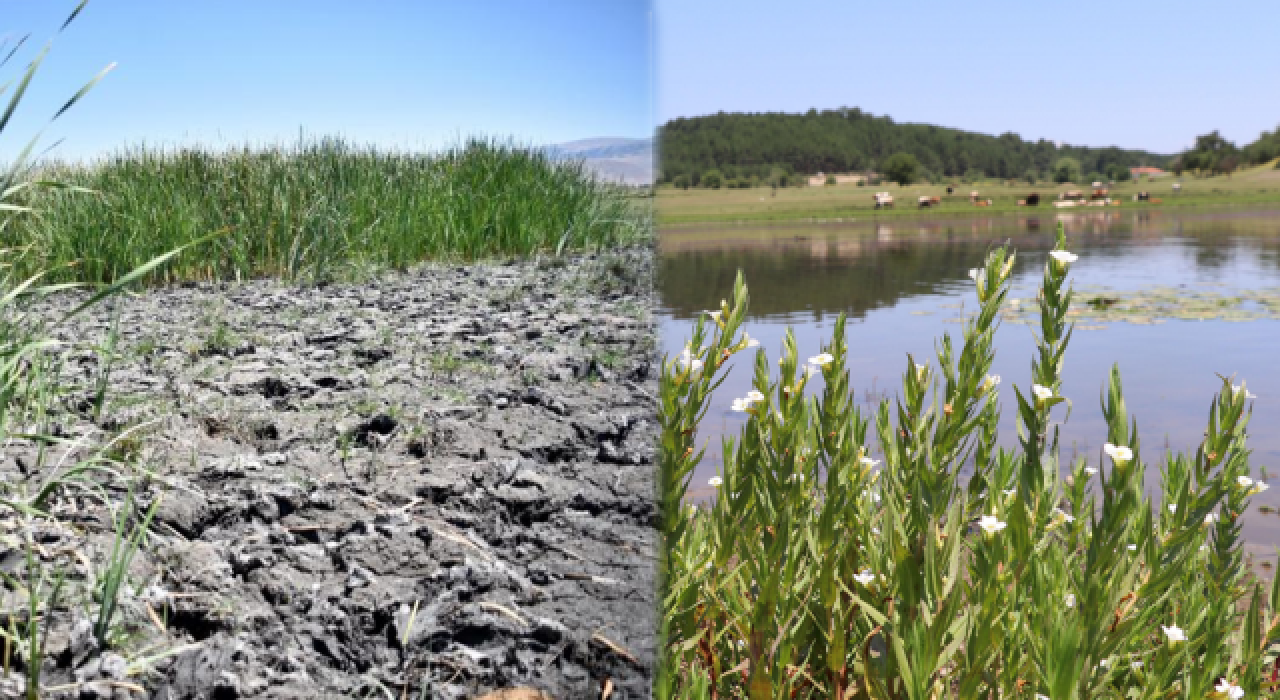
pixel 435 483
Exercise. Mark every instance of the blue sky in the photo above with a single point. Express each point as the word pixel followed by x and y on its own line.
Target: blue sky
pixel 416 74
pixel 1136 73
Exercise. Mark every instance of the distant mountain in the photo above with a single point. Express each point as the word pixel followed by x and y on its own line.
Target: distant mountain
pixel 629 161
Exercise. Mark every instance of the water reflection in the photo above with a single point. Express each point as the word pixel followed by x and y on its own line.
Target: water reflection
pixel 856 268
pixel 901 282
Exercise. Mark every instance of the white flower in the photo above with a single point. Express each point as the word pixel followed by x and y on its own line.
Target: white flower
pixel 989 383
pixel 875 530
pixel 750 342
pixel 1118 453
pixel 867 462
pixel 688 363
pixel 1071 600
pixel 1173 507
pixel 741 405
pixel 1259 487
pixel 1209 518
pixel 1041 392
pixel 1104 663
pixel 1040 696
pixel 1247 394
pixel 1010 492
pixel 1174 633
pixel 1090 471
pixel 1231 690
pixel 865 578
pixel 1059 513
pixel 715 315
pixel 1064 257
pixel 822 360
pixel 1136 664
pixel 991 524
pixel 1244 481
pixel 715 481
pixel 1133 548
pixel 875 496
pixel 975 273
pixel 796 477
pixel 754 396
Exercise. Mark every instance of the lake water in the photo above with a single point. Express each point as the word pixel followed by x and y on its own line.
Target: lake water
pixel 904 283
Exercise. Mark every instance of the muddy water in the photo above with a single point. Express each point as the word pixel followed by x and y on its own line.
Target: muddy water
pixel 905 283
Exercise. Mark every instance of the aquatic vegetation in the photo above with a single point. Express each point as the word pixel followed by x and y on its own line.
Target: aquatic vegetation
pixel 319 210
pixel 813 574
pixel 1153 305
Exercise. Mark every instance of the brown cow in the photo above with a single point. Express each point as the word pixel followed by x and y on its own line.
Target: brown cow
pixel 925 202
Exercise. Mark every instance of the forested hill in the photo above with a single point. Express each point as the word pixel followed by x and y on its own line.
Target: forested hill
pixel 848 139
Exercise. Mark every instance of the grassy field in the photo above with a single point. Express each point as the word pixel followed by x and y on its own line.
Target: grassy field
pixel 1256 185
pixel 313 210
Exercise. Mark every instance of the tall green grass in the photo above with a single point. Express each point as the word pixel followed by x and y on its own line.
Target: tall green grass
pixel 309 210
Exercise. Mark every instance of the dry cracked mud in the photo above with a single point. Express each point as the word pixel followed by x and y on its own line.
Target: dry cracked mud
pixel 433 484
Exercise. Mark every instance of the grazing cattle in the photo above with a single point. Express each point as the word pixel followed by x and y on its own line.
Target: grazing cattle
pixel 982 202
pixel 1065 203
pixel 950 189
pixel 1071 195
pixel 1100 193
pixel 1177 187
pixel 925 202
pixel 973 196
pixel 1142 197
pixel 884 200
pixel 1033 199
pixel 1156 200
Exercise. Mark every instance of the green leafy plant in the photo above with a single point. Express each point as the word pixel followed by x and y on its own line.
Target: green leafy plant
pixel 820 571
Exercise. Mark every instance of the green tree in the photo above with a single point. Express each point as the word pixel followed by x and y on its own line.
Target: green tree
pixel 1067 169
pixel 831 180
pixel 1031 177
pixel 681 181
pixel 1229 163
pixel 712 179
pixel 901 168
pixel 1118 172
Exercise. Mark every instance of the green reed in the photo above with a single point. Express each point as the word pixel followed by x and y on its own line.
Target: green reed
pixel 311 210
pixel 819 572
pixel 32 391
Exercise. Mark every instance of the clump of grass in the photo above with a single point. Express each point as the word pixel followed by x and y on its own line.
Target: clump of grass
pixel 816 575
pixel 316 210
